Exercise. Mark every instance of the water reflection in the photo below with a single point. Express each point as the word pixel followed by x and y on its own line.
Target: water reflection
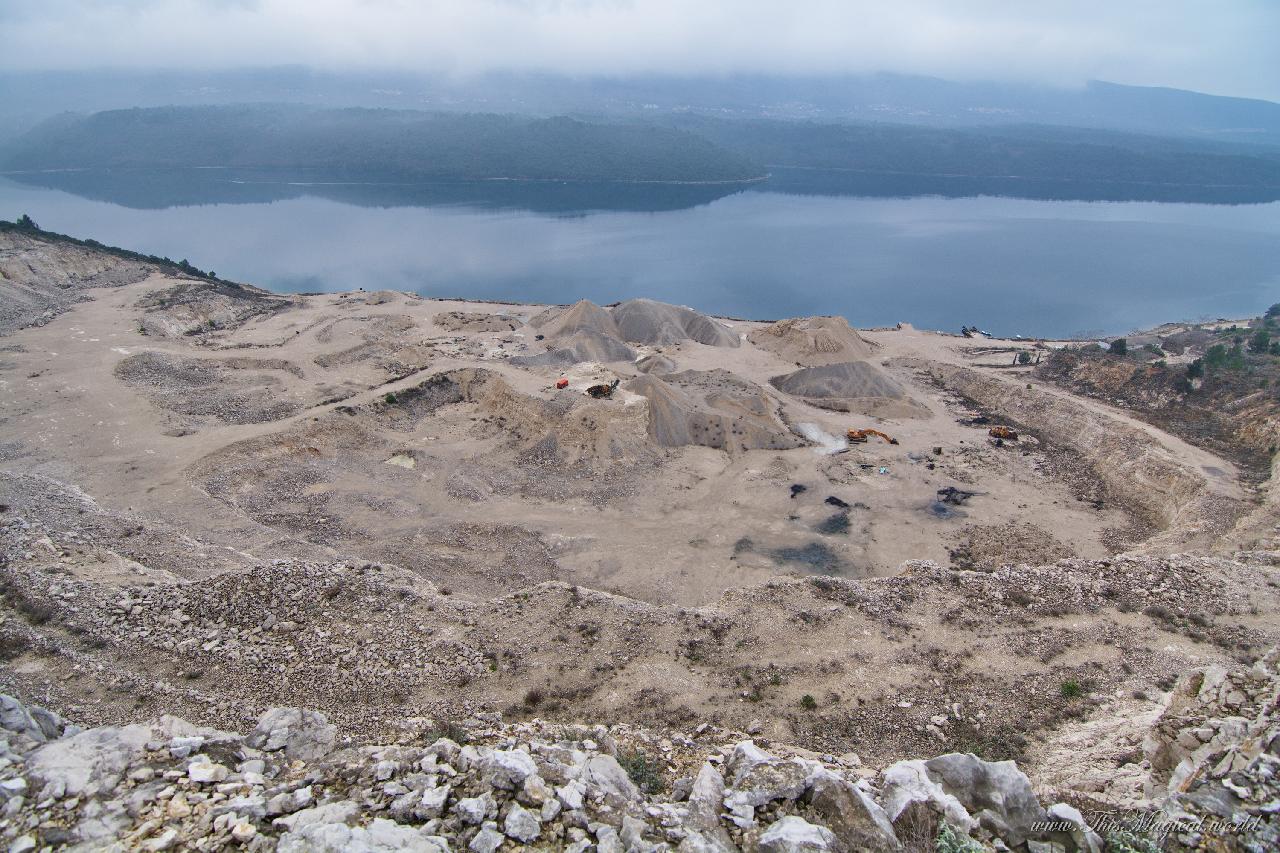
pixel 873 185
pixel 1009 265
pixel 164 188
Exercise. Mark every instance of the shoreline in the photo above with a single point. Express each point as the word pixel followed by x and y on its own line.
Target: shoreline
pixel 197 272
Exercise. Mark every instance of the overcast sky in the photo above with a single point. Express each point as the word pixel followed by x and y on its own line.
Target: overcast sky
pixel 1220 46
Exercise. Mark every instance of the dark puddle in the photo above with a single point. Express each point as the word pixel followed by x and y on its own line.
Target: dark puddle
pixel 814 556
pixel 837 524
pixel 938 509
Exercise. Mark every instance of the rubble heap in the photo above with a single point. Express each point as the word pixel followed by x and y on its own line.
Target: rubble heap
pixel 1215 758
pixel 291 785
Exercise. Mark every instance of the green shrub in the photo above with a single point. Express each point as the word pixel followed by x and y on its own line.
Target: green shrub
pixel 1120 346
pixel 808 702
pixel 645 773
pixel 950 841
pixel 447 729
pixel 1124 841
pixel 1071 689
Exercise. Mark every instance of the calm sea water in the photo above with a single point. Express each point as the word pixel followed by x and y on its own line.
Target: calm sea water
pixel 1008 265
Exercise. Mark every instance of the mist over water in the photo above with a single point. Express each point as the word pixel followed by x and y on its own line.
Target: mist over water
pixel 1034 267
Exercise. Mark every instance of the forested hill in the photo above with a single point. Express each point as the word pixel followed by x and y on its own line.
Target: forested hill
pixel 1032 152
pixel 363 142
pixel 400 145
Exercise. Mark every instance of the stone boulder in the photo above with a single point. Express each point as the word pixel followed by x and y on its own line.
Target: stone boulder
pixel 509 768
pixel 89 763
pixel 855 819
pixel 604 773
pixel 968 792
pixel 380 836
pixel 34 722
pixel 300 734
pixel 793 834
pixel 706 801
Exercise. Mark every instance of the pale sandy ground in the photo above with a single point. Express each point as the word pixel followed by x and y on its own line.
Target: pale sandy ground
pixel 671 538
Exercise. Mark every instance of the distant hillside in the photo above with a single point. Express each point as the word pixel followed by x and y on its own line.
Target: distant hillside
pixel 396 148
pixel 1034 153
pixel 28 96
pixel 448 146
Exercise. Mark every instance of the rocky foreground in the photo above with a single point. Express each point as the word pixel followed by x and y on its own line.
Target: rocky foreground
pixel 291 784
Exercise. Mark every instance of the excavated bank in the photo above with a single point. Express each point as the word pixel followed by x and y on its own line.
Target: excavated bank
pixel 191 307
pixel 1185 503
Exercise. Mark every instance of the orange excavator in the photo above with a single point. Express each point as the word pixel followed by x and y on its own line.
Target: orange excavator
pixel 860 436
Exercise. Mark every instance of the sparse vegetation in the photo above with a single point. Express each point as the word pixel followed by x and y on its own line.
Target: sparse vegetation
pixel 1195 396
pixel 1126 841
pixel 988 742
pixel 808 702
pixel 27 225
pixel 33 610
pixel 950 841
pixel 1071 689
pixel 450 729
pixel 646 773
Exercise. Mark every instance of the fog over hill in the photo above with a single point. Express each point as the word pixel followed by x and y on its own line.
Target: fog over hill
pixel 27 97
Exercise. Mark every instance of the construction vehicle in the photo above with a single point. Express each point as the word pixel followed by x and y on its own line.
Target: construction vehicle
pixel 1002 432
pixel 860 436
pixel 602 391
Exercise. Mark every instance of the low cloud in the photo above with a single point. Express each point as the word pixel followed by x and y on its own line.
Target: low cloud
pixel 1225 48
